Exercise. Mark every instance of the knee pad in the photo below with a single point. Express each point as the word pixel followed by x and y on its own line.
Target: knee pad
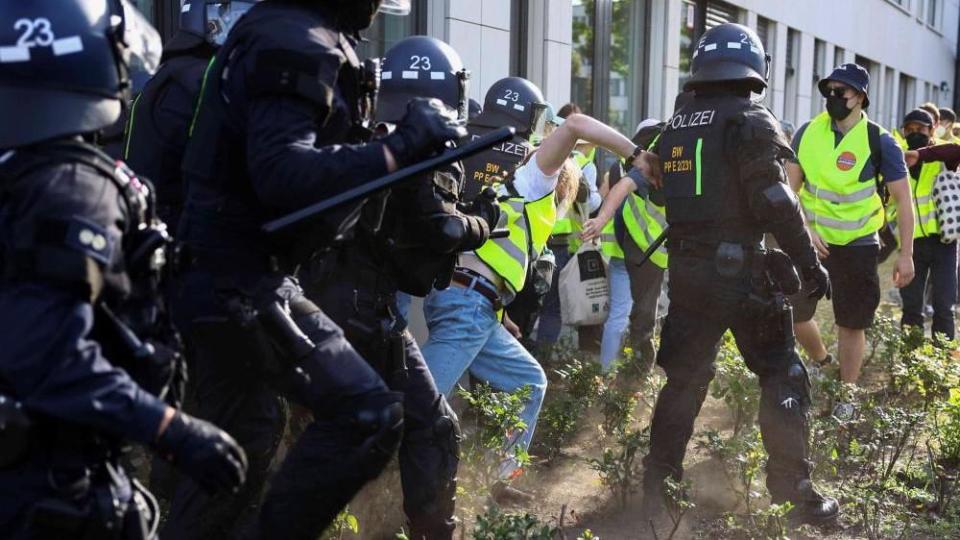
pixel 788 389
pixel 378 420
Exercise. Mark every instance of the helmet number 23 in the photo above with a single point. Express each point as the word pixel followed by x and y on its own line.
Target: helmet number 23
pixel 35 32
pixel 420 62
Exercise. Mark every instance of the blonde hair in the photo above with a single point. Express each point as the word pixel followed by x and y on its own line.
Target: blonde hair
pixel 568 184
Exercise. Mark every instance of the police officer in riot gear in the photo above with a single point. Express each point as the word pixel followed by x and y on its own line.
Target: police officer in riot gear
pixel 162 113
pixel 514 102
pixel 283 123
pixel 76 233
pixel 722 158
pixel 408 241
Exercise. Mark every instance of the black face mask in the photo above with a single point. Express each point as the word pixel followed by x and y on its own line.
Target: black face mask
pixel 917 140
pixel 837 108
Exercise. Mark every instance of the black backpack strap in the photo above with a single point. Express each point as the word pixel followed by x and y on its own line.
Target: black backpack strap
pixel 876 157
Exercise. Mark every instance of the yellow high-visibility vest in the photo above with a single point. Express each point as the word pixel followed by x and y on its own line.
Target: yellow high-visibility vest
pixel 645 222
pixel 925 221
pixel 530 224
pixel 838 206
pixel 608 242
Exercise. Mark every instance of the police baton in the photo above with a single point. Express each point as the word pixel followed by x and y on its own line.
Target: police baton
pixel 472 148
pixel 654 247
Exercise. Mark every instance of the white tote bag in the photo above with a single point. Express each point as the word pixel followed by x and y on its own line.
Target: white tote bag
pixel 584 289
pixel 946 195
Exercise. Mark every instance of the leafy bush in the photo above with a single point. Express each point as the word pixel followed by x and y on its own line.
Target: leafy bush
pixel 618 467
pixel 497 525
pixel 496 427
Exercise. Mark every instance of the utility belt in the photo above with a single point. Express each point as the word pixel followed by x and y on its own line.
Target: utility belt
pixel 469 279
pixel 374 317
pixel 88 494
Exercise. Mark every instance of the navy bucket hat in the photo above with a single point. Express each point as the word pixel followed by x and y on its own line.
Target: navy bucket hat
pixel 852 75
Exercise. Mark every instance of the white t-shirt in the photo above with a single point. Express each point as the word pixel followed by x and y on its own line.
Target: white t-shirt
pixel 531 183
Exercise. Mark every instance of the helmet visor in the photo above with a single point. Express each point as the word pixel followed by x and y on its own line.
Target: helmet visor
pixel 222 16
pixel 395 7
pixel 538 122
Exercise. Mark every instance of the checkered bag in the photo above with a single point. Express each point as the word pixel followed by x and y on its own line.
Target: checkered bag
pixel 946 195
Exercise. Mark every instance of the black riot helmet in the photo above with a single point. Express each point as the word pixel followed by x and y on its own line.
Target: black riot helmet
pixel 421 66
pixel 729 53
pixel 513 102
pixel 206 22
pixel 63 68
pixel 357 15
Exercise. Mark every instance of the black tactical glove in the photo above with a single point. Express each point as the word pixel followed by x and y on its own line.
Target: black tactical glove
pixel 204 452
pixel 820 278
pixel 423 131
pixel 485 206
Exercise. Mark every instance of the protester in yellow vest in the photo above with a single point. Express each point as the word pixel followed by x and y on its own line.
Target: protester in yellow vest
pixel 934 260
pixel 944 132
pixel 629 222
pixel 836 175
pixel 464 320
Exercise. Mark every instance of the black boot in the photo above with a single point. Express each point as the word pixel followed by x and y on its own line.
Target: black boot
pixel 809 505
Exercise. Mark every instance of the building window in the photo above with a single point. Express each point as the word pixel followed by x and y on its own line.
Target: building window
pixel 688 36
pixel 933 13
pixel 582 55
pixel 907 95
pixel 791 84
pixel 519 22
pixel 838 56
pixel 609 60
pixel 696 17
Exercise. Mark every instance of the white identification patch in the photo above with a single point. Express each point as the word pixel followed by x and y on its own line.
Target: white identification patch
pixel 386 75
pixel 710 47
pixel 733 45
pixel 502 102
pixel 438 75
pixel 67 45
pixel 10 55
pixel 411 75
pixel 754 50
pixel 520 108
pixel 185 8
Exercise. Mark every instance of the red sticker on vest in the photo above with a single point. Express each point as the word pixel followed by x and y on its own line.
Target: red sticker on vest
pixel 846 161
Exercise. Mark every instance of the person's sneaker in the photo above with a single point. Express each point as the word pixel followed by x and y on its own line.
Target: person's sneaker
pixel 844 411
pixel 811 507
pixel 504 494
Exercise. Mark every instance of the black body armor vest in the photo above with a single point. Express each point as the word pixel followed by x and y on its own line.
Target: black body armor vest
pixel 223 211
pixel 493 165
pixel 159 129
pixel 704 195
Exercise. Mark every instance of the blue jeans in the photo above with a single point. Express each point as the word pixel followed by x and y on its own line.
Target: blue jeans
pixel 403 304
pixel 548 330
pixel 465 334
pixel 621 302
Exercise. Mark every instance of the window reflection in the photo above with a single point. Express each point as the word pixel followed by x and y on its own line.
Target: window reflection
pixel 627 61
pixel 384 32
pixel 582 57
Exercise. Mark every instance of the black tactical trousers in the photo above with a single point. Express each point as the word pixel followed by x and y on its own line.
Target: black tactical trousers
pixel 703 306
pixel 331 460
pixel 362 301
